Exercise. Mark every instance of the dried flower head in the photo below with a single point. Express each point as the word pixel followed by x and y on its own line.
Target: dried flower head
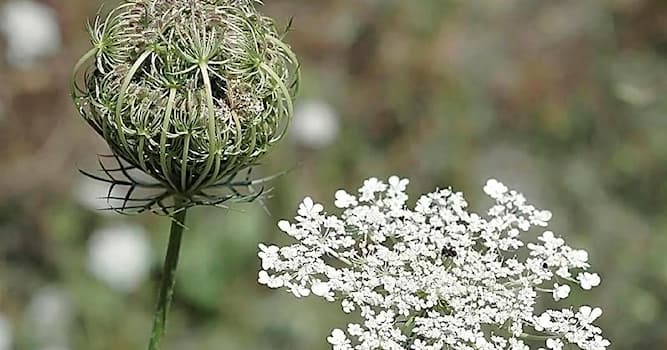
pixel 436 276
pixel 188 92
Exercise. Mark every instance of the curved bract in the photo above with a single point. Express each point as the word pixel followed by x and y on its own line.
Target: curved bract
pixel 188 92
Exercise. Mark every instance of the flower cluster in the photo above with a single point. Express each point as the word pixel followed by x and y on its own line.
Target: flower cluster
pixel 435 276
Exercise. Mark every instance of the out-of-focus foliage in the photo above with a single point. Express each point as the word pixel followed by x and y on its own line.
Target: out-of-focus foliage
pixel 564 100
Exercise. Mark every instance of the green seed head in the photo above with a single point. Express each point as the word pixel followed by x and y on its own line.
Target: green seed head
pixel 190 92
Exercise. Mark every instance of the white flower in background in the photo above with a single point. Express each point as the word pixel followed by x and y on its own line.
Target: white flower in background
pixel 436 276
pixel 5 334
pixel 120 256
pixel 49 314
pixel 315 124
pixel 31 31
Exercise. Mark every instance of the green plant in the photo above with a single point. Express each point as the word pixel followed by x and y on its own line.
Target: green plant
pixel 188 95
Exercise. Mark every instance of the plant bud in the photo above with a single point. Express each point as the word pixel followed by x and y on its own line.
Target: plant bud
pixel 190 92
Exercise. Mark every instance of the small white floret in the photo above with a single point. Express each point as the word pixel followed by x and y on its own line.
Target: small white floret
pixel 561 292
pixel 588 314
pixel 344 199
pixel 337 337
pixel 494 188
pixel 554 344
pixel 321 289
pixel 588 280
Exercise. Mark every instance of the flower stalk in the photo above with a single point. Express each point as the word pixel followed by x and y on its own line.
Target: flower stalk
pixel 168 280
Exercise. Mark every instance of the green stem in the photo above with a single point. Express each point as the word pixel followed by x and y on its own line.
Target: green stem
pixel 168 279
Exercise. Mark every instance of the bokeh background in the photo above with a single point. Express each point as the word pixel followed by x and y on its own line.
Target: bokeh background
pixel 563 100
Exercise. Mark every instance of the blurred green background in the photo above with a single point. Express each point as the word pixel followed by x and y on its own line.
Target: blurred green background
pixel 563 100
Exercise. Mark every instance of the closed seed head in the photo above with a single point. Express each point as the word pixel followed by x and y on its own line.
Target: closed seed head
pixel 188 92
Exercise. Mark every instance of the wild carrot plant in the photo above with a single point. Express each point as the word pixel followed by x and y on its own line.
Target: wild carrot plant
pixel 188 95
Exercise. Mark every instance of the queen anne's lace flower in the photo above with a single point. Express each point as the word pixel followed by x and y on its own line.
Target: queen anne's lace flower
pixel 436 276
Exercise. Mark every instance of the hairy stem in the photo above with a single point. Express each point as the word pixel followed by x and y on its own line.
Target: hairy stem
pixel 168 279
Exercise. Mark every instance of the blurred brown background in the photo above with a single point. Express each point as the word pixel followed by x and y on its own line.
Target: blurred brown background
pixel 563 100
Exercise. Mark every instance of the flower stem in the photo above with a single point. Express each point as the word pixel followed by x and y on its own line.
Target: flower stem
pixel 168 280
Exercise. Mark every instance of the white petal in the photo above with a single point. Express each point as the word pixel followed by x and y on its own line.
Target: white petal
pixel 320 289
pixel 284 226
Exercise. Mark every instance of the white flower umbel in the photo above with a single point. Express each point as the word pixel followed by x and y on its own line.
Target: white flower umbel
pixel 120 256
pixel 315 124
pixel 436 276
pixel 31 30
pixel 49 315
